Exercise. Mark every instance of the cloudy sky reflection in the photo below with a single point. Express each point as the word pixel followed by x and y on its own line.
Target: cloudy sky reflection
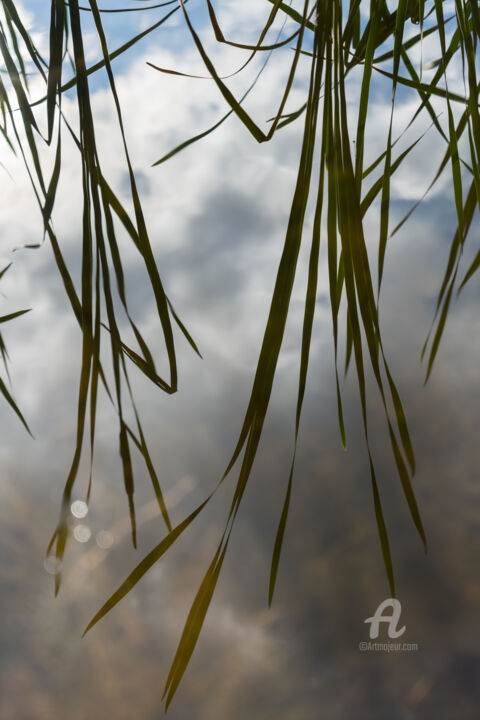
pixel 217 215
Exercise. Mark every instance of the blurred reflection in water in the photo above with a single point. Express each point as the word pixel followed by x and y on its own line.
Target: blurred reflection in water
pixel 300 660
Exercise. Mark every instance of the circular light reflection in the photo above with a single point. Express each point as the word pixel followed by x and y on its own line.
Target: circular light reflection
pixel 104 539
pixel 82 533
pixel 52 565
pixel 79 509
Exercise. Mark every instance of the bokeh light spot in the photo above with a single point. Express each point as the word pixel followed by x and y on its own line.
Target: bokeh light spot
pixel 82 533
pixel 79 509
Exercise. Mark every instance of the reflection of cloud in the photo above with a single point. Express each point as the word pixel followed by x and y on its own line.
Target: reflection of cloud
pixel 216 215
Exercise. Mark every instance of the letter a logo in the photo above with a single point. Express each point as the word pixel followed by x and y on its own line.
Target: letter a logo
pixel 392 619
